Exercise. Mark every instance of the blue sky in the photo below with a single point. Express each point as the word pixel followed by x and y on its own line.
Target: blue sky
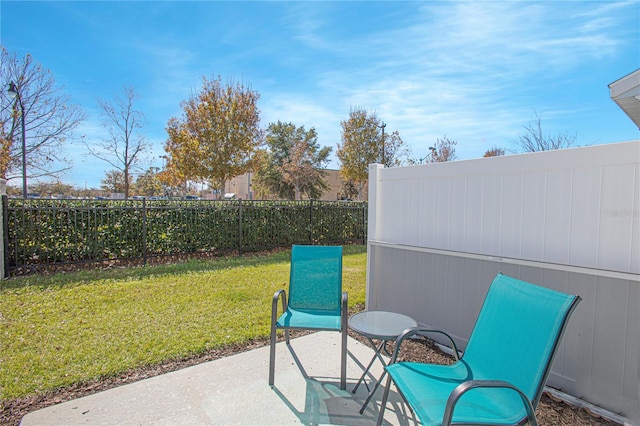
pixel 476 72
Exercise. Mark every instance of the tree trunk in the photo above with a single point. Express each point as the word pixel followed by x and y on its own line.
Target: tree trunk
pixel 126 183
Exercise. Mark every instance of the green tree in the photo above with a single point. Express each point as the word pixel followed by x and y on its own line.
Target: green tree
pixel 148 183
pixel 348 191
pixel 124 147
pixel 113 181
pixel 293 163
pixel 49 118
pixel 217 136
pixel 364 142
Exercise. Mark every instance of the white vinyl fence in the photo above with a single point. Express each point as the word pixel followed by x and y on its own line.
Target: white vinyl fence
pixel 567 219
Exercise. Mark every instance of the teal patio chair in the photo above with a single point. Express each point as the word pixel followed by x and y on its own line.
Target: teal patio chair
pixel 316 300
pixel 501 375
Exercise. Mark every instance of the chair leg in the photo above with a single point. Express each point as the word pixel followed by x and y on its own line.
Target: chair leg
pixel 343 361
pixel 344 329
pixel 280 294
pixel 383 403
pixel 272 355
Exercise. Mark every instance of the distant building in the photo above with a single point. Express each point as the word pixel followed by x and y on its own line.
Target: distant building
pixel 241 186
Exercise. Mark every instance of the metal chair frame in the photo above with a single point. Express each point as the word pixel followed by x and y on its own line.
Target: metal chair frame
pixel 281 295
pixel 466 386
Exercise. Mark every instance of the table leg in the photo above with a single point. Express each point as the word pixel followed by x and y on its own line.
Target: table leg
pixel 377 349
pixel 366 370
pixel 375 388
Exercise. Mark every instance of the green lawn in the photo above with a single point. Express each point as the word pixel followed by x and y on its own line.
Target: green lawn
pixel 68 328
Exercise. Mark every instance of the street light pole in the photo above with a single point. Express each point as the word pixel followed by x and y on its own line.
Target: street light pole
pixel 14 93
pixel 433 153
pixel 382 126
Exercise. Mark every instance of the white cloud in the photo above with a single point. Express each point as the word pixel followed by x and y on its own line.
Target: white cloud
pixel 470 70
pixel 475 71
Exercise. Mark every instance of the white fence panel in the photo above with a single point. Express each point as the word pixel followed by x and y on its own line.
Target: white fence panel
pixel 560 207
pixel 568 219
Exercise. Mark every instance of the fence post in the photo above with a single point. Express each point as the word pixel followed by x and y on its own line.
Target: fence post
pixel 240 227
pixel 311 222
pixel 144 231
pixel 4 253
pixel 372 289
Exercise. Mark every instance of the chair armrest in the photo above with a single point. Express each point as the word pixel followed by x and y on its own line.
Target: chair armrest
pixel 409 332
pixel 462 388
pixel 280 294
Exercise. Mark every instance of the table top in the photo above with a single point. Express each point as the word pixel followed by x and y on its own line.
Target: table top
pixel 380 324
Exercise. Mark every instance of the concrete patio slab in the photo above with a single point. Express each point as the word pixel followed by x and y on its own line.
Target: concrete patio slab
pixel 235 391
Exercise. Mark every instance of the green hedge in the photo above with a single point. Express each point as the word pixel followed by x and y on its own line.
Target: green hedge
pixel 49 232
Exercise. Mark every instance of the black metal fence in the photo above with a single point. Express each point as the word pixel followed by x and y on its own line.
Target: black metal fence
pixel 41 233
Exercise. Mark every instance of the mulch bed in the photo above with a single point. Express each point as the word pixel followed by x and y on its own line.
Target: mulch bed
pixel 549 412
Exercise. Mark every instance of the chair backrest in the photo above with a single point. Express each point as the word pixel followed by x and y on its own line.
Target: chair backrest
pixel 315 282
pixel 517 334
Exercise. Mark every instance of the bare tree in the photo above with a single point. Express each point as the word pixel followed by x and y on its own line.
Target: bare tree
pixel 445 150
pixel 49 119
pixel 123 148
pixel 534 140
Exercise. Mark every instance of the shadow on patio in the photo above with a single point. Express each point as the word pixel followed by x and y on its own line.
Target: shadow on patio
pixel 235 390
